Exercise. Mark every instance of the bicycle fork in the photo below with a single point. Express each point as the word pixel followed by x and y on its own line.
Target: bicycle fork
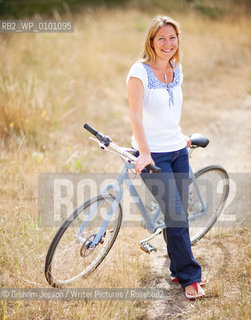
pixel 95 239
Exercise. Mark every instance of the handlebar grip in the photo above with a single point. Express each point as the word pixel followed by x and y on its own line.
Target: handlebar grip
pixel 93 131
pixel 155 169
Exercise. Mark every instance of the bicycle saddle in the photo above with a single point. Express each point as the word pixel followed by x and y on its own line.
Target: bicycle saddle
pixel 198 140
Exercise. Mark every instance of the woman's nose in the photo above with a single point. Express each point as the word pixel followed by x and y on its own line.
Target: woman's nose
pixel 166 42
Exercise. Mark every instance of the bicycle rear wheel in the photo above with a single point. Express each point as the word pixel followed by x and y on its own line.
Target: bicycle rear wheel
pixel 69 256
pixel 213 185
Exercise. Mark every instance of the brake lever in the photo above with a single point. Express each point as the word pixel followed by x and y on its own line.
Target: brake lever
pixel 122 155
pixel 102 146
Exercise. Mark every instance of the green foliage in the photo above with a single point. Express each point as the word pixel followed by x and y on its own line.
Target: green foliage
pixel 17 9
pixel 208 10
pixel 163 5
pixel 28 8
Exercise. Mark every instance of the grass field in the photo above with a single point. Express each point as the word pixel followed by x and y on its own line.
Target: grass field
pixel 50 84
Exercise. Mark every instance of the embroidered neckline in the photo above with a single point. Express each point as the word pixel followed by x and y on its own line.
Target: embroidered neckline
pixel 155 83
pixel 166 84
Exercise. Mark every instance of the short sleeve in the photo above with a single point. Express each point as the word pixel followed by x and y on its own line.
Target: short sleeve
pixel 181 74
pixel 138 71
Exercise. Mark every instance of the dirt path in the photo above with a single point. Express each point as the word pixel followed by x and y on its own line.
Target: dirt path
pixel 230 146
pixel 230 139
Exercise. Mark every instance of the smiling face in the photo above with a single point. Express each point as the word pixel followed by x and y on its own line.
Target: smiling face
pixel 162 41
pixel 165 42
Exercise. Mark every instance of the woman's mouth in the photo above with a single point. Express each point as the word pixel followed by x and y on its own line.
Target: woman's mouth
pixel 167 51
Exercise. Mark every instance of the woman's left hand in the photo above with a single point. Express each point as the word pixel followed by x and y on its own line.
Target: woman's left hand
pixel 143 160
pixel 188 141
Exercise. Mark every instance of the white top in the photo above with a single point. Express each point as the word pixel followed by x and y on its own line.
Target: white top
pixel 162 106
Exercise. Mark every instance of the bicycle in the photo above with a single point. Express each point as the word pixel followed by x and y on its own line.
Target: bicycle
pixel 76 252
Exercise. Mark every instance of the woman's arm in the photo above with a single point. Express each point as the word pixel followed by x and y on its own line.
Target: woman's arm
pixel 135 99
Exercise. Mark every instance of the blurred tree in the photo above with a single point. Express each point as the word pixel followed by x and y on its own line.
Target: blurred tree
pixel 29 8
pixel 17 9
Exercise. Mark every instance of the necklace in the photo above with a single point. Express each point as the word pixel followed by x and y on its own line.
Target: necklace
pixel 168 77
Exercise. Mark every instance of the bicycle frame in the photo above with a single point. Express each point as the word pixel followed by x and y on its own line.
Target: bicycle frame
pixel 151 224
pixel 203 207
pixel 192 177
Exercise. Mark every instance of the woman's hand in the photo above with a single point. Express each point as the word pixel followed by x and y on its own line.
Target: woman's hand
pixel 188 141
pixel 143 160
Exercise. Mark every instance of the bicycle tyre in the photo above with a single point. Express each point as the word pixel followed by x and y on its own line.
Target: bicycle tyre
pixel 195 236
pixel 205 223
pixel 72 253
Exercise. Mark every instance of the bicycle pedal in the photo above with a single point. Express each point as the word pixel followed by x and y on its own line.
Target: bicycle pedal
pixel 147 247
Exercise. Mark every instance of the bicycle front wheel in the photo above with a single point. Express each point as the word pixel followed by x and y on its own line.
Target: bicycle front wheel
pixel 70 255
pixel 207 198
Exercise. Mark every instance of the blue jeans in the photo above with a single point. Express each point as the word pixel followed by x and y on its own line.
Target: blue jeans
pixel 170 188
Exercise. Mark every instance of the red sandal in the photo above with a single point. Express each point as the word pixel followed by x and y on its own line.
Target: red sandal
pixel 175 279
pixel 200 294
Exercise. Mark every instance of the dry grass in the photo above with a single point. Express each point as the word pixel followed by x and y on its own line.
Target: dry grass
pixel 226 257
pixel 49 86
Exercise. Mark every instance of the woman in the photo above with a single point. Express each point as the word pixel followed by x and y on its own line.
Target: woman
pixel 155 102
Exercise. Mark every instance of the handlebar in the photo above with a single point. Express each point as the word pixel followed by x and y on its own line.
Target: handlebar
pixel 154 168
pixel 104 139
pixel 107 141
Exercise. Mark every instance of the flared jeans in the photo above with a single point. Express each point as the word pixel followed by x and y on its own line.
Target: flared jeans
pixel 171 189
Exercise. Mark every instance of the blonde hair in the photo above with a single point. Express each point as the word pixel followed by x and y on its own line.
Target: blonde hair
pixel 148 55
